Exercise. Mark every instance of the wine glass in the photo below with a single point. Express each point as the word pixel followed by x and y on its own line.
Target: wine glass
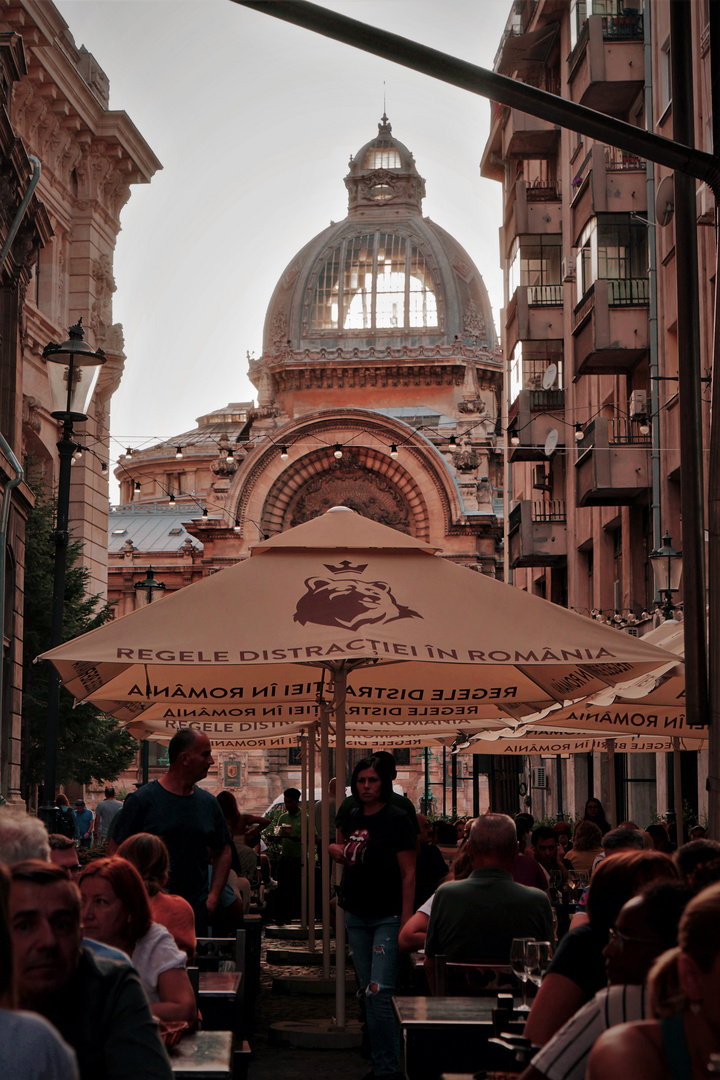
pixel 537 960
pixel 517 963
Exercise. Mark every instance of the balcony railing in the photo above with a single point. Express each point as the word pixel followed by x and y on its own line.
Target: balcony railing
pixel 628 292
pixel 543 191
pixel 628 27
pixel 626 432
pixel 546 401
pixel 545 295
pixel 549 511
pixel 621 161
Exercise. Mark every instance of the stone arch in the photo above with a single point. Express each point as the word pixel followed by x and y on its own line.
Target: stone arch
pixel 266 489
pixel 365 479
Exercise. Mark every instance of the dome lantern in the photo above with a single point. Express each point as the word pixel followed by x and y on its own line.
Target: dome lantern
pixel 383 175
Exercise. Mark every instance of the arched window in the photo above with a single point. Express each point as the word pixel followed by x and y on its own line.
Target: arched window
pixel 374 281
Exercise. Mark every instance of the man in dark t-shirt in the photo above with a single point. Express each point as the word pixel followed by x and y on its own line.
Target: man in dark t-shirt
pixel 190 822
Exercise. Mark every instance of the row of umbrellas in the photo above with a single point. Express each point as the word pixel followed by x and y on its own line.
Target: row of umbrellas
pixel 402 646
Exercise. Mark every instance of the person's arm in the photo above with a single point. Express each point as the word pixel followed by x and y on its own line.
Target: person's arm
pixel 131 1044
pixel 555 1002
pixel 177 999
pixel 221 861
pixel 412 935
pixel 336 852
pixel 627 1050
pixel 406 862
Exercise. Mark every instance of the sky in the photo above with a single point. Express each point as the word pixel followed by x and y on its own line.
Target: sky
pixel 254 121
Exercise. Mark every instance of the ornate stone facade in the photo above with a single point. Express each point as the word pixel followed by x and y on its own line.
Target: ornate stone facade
pixel 58 268
pixel 378 388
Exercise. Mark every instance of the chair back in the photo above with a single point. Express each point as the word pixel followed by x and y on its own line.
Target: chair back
pixel 476 977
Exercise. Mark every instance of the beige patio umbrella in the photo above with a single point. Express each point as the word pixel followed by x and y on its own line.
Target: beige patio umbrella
pixel 340 593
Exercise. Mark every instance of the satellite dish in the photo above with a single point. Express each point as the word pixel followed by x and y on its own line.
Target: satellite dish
pixel 551 441
pixel 665 201
pixel 549 376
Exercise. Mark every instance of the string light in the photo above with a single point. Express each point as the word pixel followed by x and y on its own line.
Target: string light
pixel 579 433
pixel 129 452
pixel 514 437
pixel 337 451
pixel 137 485
pixel 453 440
pixel 644 425
pixel 172 498
pixel 393 450
pixel 230 456
pixel 103 466
pixel 237 527
pixel 178 452
pixel 283 453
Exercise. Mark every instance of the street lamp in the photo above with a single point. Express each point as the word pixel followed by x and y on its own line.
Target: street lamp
pixel 72 369
pixel 666 564
pixel 152 588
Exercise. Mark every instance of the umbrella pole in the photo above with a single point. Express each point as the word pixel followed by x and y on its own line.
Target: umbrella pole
pixel 311 838
pixel 340 674
pixel 325 826
pixel 610 746
pixel 677 788
pixel 305 811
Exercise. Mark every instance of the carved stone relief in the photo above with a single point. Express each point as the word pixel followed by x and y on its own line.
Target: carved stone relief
pixel 354 486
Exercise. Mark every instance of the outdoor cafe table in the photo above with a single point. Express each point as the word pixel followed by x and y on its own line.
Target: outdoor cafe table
pixel 448 1034
pixel 205 1055
pixel 219 1000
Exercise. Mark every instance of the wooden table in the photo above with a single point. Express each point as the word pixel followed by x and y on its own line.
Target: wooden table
pixel 448 1034
pixel 206 1055
pixel 220 1001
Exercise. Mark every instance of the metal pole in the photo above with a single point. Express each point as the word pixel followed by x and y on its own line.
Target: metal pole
pixel 713 778
pixel 340 673
pixel 305 811
pixel 453 766
pixel 427 779
pixel 66 447
pixel 327 828
pixel 689 384
pixel 499 88
pixel 677 789
pixel 312 846
pixel 558 782
pixel 476 785
pixel 444 778
pixel 610 747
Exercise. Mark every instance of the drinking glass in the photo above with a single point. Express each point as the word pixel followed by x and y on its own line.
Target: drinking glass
pixel 537 960
pixel 517 963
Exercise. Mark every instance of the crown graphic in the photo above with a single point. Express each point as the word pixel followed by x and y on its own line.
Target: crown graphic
pixel 345 567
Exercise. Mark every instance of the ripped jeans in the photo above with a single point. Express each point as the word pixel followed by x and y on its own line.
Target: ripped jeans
pixel 376 958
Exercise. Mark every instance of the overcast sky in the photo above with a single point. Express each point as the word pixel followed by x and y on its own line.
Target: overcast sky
pixel 254 121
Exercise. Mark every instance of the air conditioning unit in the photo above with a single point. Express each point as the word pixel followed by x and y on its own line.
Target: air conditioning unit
pixel 539 777
pixel 638 403
pixel 568 269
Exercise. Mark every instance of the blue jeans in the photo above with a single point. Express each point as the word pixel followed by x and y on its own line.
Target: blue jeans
pixel 376 958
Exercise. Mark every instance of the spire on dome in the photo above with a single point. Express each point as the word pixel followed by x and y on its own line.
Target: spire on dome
pixel 384 127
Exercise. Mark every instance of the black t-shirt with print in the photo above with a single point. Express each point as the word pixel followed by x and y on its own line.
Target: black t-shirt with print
pixel 371 882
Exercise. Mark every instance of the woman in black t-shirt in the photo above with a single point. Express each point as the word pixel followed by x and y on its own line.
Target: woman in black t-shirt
pixel 377 891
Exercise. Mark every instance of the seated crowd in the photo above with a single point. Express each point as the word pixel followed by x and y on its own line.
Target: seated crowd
pixel 93 958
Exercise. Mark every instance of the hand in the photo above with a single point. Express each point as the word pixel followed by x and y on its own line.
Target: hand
pixel 212 902
pixel 336 852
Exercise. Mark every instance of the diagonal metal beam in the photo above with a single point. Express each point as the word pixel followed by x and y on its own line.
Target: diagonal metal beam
pixel 500 88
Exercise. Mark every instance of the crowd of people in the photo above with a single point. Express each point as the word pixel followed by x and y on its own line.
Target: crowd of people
pixel 95 941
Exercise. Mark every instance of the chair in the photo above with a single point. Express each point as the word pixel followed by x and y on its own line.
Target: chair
pixel 211 952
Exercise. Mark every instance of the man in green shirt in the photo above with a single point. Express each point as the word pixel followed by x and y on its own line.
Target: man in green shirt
pixel 289 874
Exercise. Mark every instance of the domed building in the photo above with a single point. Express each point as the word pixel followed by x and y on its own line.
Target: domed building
pixel 378 388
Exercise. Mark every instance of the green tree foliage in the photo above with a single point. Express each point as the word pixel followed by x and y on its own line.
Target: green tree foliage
pixel 90 744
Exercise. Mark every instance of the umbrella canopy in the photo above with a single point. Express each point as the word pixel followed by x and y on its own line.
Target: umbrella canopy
pixel 550 743
pixel 651 705
pixel 340 592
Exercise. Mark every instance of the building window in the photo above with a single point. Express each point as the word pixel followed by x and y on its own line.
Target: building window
pixel 374 281
pixel 294 756
pixel 402 756
pixel 382 157
pixel 535 263
pixel 615 248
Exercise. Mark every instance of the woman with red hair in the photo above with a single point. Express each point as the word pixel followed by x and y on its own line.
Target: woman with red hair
pixel 116 911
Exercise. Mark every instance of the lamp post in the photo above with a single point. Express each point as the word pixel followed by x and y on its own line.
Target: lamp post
pixel 151 587
pixel 72 369
pixel 666 564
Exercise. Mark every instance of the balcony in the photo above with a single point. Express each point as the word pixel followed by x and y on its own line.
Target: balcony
pixel 532 209
pixel 533 315
pixel 611 331
pixel 537 534
pixel 533 415
pixel 605 69
pixel 613 466
pixel 607 180
pixel 524 135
